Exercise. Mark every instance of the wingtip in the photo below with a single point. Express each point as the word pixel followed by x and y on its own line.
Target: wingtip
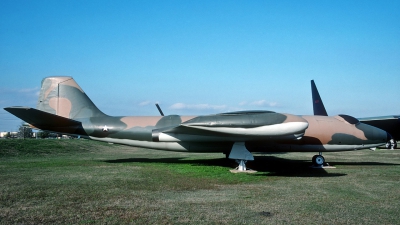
pixel 16 107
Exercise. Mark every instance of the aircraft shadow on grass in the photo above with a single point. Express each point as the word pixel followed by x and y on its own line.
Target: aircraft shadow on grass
pixel 266 165
pixel 363 164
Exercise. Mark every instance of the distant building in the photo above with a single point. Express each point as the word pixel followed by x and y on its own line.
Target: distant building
pixel 11 134
pixel 3 134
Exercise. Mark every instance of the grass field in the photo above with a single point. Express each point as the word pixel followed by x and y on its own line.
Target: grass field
pixel 86 182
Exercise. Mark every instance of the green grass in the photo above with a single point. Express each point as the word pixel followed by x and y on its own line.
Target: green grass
pixel 35 147
pixel 86 182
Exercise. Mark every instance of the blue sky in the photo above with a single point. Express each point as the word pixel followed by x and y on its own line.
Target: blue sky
pixel 203 57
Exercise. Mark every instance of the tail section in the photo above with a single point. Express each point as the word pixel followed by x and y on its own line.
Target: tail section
pixel 62 96
pixel 318 105
pixel 47 121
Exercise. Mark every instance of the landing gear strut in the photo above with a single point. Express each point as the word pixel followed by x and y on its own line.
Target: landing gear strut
pixel 241 155
pixel 318 160
pixel 392 144
pixel 242 165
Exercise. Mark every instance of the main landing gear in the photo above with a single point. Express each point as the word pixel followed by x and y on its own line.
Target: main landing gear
pixel 240 153
pixel 318 160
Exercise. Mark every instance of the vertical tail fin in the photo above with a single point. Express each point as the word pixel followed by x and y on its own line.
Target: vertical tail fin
pixel 318 105
pixel 62 96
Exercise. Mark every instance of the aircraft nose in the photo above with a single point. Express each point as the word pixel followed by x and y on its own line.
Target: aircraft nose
pixel 372 134
pixel 388 137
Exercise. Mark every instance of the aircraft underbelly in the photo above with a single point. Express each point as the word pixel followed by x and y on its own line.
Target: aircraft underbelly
pixel 172 146
pixel 226 146
pixel 328 148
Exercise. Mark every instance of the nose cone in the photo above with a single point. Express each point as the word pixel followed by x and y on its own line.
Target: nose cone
pixel 388 137
pixel 373 135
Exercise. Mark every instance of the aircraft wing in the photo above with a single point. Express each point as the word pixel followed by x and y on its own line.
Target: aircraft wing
pixel 237 126
pixel 46 121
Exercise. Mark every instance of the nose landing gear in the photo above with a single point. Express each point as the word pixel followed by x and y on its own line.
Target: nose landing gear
pixel 392 144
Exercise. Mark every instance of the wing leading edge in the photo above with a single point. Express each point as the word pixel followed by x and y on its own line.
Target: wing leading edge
pixel 237 126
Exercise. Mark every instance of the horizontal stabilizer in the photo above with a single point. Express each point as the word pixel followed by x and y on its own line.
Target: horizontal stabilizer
pixel 47 121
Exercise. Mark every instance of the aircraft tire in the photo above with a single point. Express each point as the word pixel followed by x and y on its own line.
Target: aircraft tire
pixel 313 159
pixel 389 145
pixel 318 160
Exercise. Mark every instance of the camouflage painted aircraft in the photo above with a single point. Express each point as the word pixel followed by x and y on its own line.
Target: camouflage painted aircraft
pixel 391 124
pixel 65 108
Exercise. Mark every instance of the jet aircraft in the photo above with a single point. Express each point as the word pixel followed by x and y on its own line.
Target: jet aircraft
pixel 391 124
pixel 64 107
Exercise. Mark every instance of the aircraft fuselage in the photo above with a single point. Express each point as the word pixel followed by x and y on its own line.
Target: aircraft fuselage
pixel 64 107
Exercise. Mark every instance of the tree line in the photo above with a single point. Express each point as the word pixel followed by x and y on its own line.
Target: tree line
pixel 26 132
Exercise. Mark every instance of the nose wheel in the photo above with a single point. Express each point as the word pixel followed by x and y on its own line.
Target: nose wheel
pixel 392 144
pixel 318 160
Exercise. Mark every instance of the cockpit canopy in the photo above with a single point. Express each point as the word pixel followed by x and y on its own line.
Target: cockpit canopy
pixel 349 119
